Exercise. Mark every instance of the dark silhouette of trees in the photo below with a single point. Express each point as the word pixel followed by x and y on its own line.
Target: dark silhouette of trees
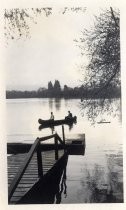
pixel 57 89
pixel 22 94
pixel 67 92
pixel 50 86
pixel 57 86
pixel 50 89
pixel 41 93
pixel 101 45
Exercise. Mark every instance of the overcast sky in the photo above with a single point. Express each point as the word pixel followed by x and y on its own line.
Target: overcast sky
pixel 50 53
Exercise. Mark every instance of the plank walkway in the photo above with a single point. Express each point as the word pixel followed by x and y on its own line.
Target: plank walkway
pixel 50 152
pixel 30 176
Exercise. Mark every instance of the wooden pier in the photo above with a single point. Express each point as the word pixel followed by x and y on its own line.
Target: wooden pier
pixel 28 164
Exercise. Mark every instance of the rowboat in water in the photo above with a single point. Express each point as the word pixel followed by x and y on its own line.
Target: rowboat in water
pixel 67 120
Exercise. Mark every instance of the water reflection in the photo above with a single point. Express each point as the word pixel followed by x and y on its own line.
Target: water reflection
pixel 70 126
pixel 66 102
pixel 115 173
pixel 104 185
pixel 58 104
pixel 54 102
pixel 95 109
pixel 52 128
pixel 62 188
pixel 102 181
pixel 50 103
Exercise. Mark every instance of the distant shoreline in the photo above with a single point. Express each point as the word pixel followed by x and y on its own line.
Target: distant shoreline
pixel 61 98
pixel 55 91
pixel 67 93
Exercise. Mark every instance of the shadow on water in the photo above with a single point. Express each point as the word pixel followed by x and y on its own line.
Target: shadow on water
pixel 52 128
pixel 49 190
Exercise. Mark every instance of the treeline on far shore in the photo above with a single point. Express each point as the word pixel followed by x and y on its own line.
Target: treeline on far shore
pixel 55 91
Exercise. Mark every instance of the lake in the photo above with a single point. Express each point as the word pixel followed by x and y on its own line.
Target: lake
pixel 97 176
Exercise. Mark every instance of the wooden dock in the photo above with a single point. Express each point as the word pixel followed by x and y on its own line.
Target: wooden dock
pixel 27 164
pixel 30 177
pixel 73 144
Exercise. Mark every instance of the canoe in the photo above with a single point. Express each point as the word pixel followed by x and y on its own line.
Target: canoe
pixel 103 122
pixel 67 120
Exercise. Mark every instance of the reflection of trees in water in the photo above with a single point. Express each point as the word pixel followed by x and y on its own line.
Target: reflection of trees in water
pixel 96 108
pixel 70 126
pixel 93 184
pixel 66 102
pixel 58 103
pixel 50 103
pixel 115 176
pixel 104 185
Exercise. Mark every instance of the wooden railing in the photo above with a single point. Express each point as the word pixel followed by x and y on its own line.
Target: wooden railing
pixel 35 148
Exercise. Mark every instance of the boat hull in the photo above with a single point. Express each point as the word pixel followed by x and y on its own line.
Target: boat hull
pixel 57 122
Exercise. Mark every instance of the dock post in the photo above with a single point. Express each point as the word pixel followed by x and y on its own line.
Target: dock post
pixel 63 136
pixel 39 160
pixel 56 148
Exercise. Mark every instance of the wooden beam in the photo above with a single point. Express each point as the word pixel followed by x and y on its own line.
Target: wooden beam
pixel 47 137
pixel 59 139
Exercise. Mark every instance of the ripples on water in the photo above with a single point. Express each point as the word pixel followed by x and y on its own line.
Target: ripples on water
pixel 96 177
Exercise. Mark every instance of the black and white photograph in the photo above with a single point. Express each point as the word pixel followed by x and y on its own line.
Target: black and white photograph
pixel 63 104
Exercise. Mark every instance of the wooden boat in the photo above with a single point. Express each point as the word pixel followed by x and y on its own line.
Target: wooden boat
pixel 67 120
pixel 100 122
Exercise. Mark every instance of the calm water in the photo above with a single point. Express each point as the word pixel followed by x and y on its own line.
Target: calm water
pixel 94 177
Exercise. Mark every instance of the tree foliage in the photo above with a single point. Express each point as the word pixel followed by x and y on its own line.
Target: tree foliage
pixel 17 21
pixel 57 86
pixel 50 86
pixel 101 44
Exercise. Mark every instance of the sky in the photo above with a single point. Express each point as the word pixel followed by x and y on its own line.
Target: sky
pixel 50 53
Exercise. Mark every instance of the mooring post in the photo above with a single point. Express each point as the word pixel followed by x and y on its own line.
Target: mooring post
pixel 39 160
pixel 56 147
pixel 63 133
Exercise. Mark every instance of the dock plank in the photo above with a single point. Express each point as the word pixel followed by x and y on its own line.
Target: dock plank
pixel 30 177
pixel 74 145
